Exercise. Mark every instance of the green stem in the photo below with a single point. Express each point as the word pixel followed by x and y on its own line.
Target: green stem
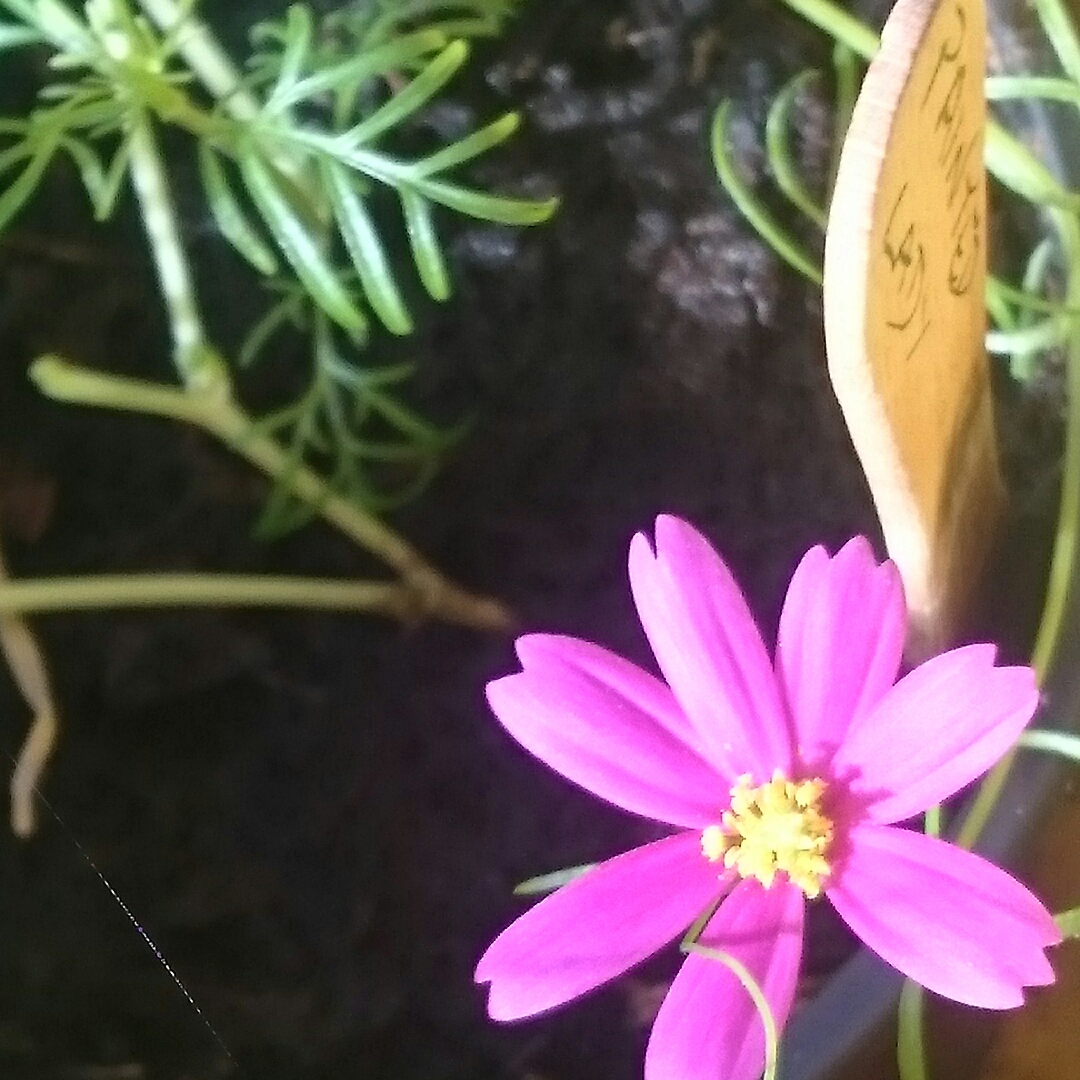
pixel 223 418
pixel 1063 557
pixel 205 56
pixel 910 1043
pixel 93 592
pixel 199 367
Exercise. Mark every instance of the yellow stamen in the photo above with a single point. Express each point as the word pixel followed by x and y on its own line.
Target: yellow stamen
pixel 776 827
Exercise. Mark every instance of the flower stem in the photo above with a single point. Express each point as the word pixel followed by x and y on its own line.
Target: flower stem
pixel 1063 557
pixel 94 592
pixel 222 417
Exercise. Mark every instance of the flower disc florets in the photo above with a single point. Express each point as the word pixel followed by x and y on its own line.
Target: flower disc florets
pixel 771 828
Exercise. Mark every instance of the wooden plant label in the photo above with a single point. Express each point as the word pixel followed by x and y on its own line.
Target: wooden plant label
pixel 905 266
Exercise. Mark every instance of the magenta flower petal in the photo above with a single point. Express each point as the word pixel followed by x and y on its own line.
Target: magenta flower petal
pixel 708 1027
pixel 598 926
pixel 839 644
pixel 709 649
pixel 946 918
pixel 609 726
pixel 941 726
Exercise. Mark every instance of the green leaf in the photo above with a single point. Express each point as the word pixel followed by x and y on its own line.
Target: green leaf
pixel 762 221
pixel 18 193
pixel 103 186
pixel 471 146
pixel 365 66
pixel 1068 922
pixel 407 100
pixel 299 247
pixel 478 204
pixel 427 254
pixel 229 216
pixel 13 37
pixel 287 311
pixel 297 45
pixel 779 152
pixel 21 9
pixel 365 248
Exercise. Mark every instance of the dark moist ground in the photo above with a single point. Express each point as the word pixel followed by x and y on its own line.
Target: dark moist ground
pixel 315 816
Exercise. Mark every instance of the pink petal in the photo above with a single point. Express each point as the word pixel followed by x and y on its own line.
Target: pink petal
pixel 839 645
pixel 708 1027
pixel 598 926
pixel 709 649
pixel 608 726
pixel 946 918
pixel 941 726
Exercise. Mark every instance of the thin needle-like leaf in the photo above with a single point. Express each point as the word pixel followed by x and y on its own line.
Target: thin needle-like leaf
pixel 471 146
pixel 412 97
pixel 365 248
pixel 299 247
pixel 479 204
pixel 762 221
pixel 297 39
pixel 427 254
pixel 779 151
pixel 18 193
pixel 549 882
pixel 13 37
pixel 365 66
pixel 230 218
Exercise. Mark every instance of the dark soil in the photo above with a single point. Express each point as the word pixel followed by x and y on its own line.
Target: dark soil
pixel 315 817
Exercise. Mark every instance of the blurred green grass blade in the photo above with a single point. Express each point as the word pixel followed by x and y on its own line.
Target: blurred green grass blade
pixel 299 247
pixel 426 250
pixel 365 248
pixel 1061 743
pixel 1046 334
pixel 1009 87
pixel 1014 166
pixel 368 64
pixel 471 146
pixel 1058 25
pixel 1022 363
pixel 500 209
pixel 777 126
pixel 755 213
pixel 229 216
pixel 411 97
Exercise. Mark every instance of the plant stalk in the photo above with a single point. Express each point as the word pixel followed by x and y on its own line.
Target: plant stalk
pixel 95 592
pixel 222 417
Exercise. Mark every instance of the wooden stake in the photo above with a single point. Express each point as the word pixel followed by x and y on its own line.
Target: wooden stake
pixel 905 268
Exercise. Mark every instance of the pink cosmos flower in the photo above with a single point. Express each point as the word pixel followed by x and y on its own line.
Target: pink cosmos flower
pixel 783 780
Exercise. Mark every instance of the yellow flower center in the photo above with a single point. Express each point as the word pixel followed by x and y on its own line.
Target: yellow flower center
pixel 776 827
